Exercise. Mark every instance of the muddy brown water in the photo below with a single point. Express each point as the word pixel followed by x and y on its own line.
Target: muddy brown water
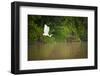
pixel 69 50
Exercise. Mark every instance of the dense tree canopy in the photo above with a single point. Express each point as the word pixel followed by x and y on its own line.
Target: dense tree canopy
pixel 62 28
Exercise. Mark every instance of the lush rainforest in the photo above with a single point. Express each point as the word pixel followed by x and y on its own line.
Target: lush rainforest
pixel 57 37
pixel 62 28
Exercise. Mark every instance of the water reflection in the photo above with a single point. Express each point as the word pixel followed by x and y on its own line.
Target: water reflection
pixel 69 50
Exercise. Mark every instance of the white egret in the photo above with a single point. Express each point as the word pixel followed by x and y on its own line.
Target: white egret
pixel 46 31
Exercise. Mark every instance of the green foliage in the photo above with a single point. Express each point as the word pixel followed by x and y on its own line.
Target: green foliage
pixel 35 31
pixel 61 28
pixel 47 39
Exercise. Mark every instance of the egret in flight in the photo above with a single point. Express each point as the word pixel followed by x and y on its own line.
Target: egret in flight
pixel 46 31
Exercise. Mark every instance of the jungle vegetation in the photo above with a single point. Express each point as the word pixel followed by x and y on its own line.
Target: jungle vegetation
pixel 62 28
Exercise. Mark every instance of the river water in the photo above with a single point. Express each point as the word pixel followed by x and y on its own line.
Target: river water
pixel 53 51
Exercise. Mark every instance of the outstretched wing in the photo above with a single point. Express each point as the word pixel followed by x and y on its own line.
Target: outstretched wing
pixel 46 30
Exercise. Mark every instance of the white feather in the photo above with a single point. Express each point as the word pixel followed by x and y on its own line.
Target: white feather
pixel 46 30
